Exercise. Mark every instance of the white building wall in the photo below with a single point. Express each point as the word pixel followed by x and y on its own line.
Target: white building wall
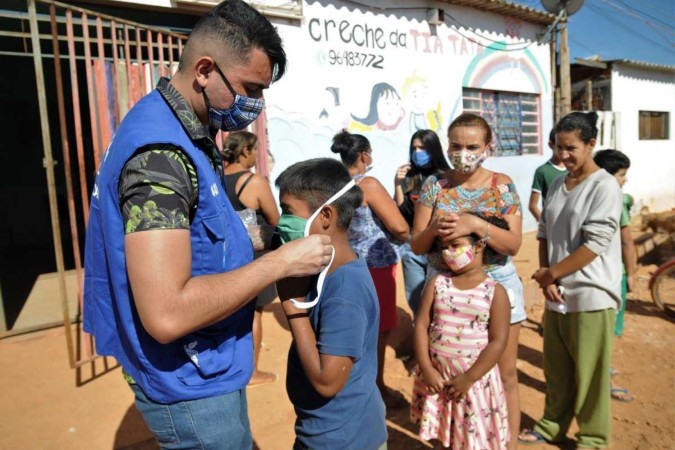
pixel 340 53
pixel 651 177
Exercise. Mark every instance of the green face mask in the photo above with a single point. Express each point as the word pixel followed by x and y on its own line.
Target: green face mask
pixel 291 227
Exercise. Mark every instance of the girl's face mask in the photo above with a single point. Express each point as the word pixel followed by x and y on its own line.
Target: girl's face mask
pixel 421 159
pixel 466 161
pixel 458 257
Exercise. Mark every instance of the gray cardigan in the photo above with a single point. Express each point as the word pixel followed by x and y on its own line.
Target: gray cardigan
pixel 587 215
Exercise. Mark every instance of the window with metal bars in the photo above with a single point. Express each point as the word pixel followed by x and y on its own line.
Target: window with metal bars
pixel 514 118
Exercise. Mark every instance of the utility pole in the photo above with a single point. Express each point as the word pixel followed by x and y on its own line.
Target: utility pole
pixel 565 83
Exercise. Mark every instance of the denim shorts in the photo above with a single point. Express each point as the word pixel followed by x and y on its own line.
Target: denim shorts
pixel 508 277
pixel 214 423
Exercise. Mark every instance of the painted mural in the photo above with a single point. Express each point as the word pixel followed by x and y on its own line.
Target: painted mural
pixel 386 76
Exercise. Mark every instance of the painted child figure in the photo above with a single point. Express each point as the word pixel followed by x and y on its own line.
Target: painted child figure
pixel 332 363
pixel 461 331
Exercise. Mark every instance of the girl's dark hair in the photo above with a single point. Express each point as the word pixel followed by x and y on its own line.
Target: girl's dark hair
pixel 432 145
pixel 583 123
pixel 235 144
pixel 379 90
pixel 497 221
pixel 349 146
pixel 315 181
pixel 611 160
pixel 472 120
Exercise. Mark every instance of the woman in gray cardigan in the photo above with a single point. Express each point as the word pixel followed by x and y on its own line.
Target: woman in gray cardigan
pixel 580 273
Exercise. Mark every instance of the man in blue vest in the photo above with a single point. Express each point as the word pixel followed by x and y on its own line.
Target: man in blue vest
pixel 169 270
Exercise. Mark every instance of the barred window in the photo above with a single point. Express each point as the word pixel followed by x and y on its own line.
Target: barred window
pixel 514 118
pixel 654 125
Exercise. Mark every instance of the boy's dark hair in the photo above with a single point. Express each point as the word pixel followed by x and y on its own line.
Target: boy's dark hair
pixel 315 181
pixel 349 146
pixel 551 135
pixel 499 222
pixel 583 123
pixel 611 160
pixel 238 27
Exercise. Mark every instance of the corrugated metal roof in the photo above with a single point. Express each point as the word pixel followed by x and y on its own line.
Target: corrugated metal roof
pixel 645 65
pixel 521 12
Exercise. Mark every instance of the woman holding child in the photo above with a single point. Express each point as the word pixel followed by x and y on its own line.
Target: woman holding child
pixel 439 219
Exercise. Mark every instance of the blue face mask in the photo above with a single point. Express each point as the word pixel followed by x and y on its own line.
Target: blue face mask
pixel 239 115
pixel 421 158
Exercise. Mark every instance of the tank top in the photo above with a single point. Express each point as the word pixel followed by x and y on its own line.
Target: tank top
pixel 231 184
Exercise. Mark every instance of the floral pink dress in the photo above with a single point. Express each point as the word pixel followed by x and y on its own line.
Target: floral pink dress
pixel 457 334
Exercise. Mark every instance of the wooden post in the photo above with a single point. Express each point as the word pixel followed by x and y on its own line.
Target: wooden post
pixel 589 95
pixel 565 86
pixel 554 75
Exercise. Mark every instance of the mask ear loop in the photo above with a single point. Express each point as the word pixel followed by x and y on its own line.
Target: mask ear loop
pixel 324 272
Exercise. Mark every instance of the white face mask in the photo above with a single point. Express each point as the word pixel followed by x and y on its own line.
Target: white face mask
pixel 466 161
pixel 322 276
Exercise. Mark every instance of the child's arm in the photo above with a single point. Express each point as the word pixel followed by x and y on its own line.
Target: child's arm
pixel 327 373
pixel 534 204
pixel 432 377
pixel 628 256
pixel 498 335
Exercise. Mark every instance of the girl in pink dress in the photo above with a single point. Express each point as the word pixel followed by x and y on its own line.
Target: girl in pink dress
pixel 460 333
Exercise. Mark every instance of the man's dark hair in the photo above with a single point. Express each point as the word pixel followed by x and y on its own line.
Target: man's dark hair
pixel 611 160
pixel 315 181
pixel 241 28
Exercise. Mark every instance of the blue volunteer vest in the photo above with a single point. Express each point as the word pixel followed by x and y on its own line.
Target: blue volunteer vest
pixel 212 361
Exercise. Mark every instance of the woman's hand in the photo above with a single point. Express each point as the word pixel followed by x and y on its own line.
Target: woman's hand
pixel 544 277
pixel 442 225
pixel 459 225
pixel 552 293
pixel 401 172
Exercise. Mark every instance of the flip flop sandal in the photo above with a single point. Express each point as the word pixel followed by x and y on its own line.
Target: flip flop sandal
pixel 627 397
pixel 539 439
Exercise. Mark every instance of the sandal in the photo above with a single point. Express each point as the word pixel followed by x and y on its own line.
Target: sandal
pixel 621 395
pixel 530 437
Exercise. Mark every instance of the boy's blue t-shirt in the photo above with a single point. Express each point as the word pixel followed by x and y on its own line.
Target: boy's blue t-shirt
pixel 346 322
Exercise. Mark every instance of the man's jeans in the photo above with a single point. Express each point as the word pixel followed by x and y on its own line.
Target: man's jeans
pixel 216 423
pixel 414 274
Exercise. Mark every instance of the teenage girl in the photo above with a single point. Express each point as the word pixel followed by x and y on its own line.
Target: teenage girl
pixel 461 331
pixel 440 217
pixel 580 267
pixel 425 158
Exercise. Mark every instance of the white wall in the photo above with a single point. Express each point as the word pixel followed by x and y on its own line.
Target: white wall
pixel 427 66
pixel 651 177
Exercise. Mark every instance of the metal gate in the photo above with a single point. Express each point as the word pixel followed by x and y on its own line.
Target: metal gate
pixel 102 66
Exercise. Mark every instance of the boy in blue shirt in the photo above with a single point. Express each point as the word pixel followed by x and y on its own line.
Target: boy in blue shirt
pixel 332 363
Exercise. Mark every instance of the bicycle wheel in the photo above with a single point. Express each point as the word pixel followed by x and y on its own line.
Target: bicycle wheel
pixel 663 290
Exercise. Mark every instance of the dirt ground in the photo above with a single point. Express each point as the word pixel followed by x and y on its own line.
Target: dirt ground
pixel 48 405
